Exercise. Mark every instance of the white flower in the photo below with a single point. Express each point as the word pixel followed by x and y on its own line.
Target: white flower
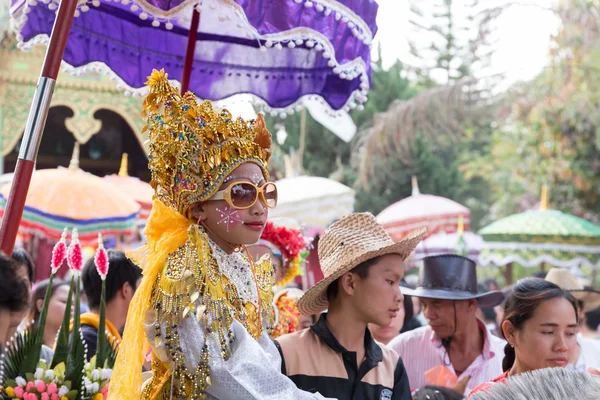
pixel 95 375
pixel 50 374
pixel 20 381
pixel 62 391
pixel 95 387
pixel 39 373
pixel 106 374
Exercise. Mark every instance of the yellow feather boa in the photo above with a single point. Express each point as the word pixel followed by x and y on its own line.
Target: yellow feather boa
pixel 165 231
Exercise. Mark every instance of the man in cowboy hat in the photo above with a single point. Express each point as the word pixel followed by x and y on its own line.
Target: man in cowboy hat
pixel 587 352
pixel 337 356
pixel 455 345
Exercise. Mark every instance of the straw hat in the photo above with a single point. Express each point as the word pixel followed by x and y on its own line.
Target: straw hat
pixel 566 280
pixel 348 242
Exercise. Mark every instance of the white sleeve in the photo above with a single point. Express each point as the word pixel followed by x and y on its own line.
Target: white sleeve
pixel 253 370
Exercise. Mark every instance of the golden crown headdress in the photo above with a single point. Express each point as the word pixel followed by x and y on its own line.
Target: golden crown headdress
pixel 193 147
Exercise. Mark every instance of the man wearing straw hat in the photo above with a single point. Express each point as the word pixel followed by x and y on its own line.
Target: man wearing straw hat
pixel 587 352
pixel 337 356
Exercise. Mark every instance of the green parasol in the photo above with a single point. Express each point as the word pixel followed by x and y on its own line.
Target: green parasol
pixel 541 236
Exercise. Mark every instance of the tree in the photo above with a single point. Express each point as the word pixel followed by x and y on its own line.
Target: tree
pixel 325 152
pixel 552 134
pixel 457 44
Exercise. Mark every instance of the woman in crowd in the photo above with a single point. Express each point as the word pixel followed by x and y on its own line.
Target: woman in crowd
pixel 540 326
pixel 56 308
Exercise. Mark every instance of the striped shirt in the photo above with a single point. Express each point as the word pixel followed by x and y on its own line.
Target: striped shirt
pixel 421 351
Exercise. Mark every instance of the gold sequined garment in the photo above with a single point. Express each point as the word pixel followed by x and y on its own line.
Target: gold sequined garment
pixel 199 293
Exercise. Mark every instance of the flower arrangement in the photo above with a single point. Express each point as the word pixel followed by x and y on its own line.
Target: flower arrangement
pixel 68 376
pixel 45 383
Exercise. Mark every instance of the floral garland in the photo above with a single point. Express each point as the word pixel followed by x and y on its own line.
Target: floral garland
pixel 288 316
pixel 292 245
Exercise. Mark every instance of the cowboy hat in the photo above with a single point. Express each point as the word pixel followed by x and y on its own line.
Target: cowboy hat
pixel 566 280
pixel 347 243
pixel 451 277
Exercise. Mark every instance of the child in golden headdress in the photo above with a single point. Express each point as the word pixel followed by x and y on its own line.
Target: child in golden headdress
pixel 203 304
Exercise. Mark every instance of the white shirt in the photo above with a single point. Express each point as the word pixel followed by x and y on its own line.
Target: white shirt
pixel 421 351
pixel 589 355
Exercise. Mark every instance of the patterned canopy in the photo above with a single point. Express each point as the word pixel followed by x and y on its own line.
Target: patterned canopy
pixel 437 214
pixel 72 198
pixel 281 51
pixel 541 236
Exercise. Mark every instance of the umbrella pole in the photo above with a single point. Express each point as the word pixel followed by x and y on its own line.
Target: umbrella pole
pixel 36 122
pixel 189 53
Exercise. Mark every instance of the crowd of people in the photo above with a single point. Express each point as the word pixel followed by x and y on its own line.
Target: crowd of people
pixel 213 295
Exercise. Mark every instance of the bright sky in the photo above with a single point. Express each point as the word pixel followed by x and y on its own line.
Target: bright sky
pixel 523 33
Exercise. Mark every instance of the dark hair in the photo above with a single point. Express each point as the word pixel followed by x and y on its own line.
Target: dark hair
pixel 39 293
pixel 362 270
pixel 121 271
pixel 432 392
pixel 539 274
pixel 22 257
pixel 14 290
pixel 489 314
pixel 521 304
pixel 592 319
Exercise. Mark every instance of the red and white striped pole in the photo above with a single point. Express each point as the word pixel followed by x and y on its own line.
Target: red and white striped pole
pixel 36 122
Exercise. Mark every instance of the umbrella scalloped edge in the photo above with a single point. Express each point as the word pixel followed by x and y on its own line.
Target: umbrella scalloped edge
pixel 350 70
pixel 499 260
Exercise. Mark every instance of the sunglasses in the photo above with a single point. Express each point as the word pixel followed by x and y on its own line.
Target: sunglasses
pixel 243 195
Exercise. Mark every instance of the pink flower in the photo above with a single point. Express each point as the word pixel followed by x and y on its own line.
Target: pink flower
pixel 30 385
pixel 101 258
pixel 45 396
pixel 74 253
pixel 55 396
pixel 52 388
pixel 59 252
pixel 19 392
pixel 40 386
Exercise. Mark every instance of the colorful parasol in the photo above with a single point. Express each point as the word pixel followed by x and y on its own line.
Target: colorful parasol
pixel 280 52
pixel 71 197
pixel 467 244
pixel 312 200
pixel 134 188
pixel 437 214
pixel 541 236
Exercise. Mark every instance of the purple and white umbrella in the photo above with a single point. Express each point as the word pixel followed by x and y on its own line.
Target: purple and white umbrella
pixel 281 51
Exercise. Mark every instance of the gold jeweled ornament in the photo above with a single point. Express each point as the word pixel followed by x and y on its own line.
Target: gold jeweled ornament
pixel 194 147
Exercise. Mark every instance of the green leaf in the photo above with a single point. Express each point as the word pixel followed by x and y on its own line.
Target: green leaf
pixel 59 370
pixel 10 383
pixel 76 358
pixel 93 363
pixel 32 355
pixel 72 395
pixel 101 347
pixel 16 353
pixel 61 352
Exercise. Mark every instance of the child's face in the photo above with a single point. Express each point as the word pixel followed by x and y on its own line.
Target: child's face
pixel 233 225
